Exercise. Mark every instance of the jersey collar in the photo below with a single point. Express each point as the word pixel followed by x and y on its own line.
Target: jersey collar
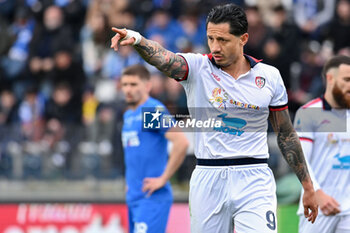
pixel 325 104
pixel 252 61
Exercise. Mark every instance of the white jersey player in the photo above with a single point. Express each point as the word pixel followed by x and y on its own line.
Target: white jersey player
pixel 231 187
pixel 323 126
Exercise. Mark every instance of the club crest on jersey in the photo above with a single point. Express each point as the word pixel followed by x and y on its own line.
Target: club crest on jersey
pixel 260 81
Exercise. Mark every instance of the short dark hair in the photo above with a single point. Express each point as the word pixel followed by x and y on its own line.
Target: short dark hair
pixel 232 14
pixel 138 70
pixel 335 62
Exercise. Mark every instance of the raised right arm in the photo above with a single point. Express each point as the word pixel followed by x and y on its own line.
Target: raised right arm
pixel 169 63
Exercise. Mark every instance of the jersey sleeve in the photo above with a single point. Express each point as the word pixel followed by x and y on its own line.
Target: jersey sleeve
pixel 194 62
pixel 279 100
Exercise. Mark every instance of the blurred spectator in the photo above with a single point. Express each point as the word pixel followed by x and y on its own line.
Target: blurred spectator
pixel 64 129
pixel 266 8
pixel 95 37
pixel 310 81
pixel 8 108
pixel 115 62
pixel 145 8
pixel 36 7
pixel 194 33
pixel 280 48
pixel 257 32
pixel 67 70
pixel 6 38
pixel 162 23
pixel 102 128
pixel 52 33
pixel 338 30
pixel 205 5
pixel 311 15
pixel 125 19
pixel 73 14
pixel 7 9
pixel 31 112
pixel 21 31
pixel 5 44
pixel 101 149
pixel 64 106
pixel 89 107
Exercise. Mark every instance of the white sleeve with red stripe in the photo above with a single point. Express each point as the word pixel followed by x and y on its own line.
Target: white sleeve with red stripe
pixel 304 128
pixel 194 62
pixel 279 100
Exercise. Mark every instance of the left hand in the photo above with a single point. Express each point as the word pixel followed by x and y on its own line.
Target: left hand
pixel 152 184
pixel 309 202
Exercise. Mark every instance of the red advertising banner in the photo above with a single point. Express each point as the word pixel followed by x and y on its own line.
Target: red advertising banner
pixel 78 218
pixel 63 218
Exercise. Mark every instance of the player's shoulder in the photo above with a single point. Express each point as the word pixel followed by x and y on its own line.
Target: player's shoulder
pixel 266 68
pixel 314 103
pixel 310 109
pixel 261 69
pixel 154 103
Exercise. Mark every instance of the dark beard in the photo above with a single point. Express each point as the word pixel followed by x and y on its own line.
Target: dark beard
pixel 340 98
pixel 132 104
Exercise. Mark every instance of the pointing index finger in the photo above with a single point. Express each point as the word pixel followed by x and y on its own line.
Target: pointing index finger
pixel 122 32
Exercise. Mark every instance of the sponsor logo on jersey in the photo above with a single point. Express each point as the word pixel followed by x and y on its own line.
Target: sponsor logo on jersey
pixel 343 162
pixel 231 125
pixel 221 99
pixel 217 78
pixel 260 81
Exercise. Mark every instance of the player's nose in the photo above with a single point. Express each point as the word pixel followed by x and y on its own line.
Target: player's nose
pixel 215 47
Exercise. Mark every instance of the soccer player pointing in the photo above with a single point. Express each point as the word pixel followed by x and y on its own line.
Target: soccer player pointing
pixel 232 186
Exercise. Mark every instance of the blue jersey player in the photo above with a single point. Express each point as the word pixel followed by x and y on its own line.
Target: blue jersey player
pixel 148 169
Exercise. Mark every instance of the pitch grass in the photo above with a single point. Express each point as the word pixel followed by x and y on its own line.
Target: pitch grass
pixel 287 219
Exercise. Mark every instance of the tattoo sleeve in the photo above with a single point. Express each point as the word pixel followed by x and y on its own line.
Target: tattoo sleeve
pixel 169 63
pixel 289 144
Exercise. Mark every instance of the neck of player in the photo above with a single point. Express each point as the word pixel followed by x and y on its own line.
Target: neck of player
pixel 238 67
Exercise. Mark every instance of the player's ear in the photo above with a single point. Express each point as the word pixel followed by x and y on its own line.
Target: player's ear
pixel 244 38
pixel 329 78
pixel 148 86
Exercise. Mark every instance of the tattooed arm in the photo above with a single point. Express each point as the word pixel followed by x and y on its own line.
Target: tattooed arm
pixel 289 144
pixel 169 63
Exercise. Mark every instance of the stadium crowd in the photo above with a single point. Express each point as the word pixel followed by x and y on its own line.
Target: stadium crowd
pixel 60 101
